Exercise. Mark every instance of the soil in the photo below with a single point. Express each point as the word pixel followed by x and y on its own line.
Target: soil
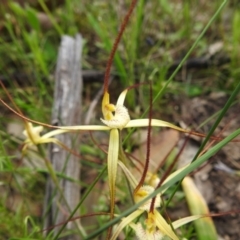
pixel 220 183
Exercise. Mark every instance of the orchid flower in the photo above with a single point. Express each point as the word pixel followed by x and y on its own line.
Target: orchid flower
pixel 115 118
pixel 155 226
pixel 33 136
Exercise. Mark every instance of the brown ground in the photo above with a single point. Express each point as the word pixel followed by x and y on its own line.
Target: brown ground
pixel 220 181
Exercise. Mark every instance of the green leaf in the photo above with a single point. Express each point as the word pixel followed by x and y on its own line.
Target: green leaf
pixel 33 19
pixel 17 9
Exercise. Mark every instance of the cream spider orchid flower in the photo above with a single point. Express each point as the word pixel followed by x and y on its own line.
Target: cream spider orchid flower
pixel 142 193
pixel 116 118
pixel 117 121
pixel 33 136
pixel 155 226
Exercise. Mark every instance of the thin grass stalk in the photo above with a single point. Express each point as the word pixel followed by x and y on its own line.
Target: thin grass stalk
pixel 46 10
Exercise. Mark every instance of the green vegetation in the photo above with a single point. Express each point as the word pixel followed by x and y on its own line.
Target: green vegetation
pixel 183 48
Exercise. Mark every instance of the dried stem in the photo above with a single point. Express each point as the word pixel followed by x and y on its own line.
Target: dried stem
pixel 10 98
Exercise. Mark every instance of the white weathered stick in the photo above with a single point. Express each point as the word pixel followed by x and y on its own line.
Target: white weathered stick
pixel 66 111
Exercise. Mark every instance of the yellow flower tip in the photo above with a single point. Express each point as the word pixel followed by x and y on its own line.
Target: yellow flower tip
pixel 105 102
pixel 120 118
pixel 152 179
pixel 142 193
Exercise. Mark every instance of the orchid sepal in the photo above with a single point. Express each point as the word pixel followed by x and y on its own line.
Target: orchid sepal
pixel 113 150
pixel 154 123
pixel 126 221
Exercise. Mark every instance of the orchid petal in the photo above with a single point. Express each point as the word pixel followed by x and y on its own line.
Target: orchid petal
pixel 121 98
pixel 183 221
pixel 84 128
pixel 126 221
pixel 107 107
pixel 154 123
pixel 54 133
pixel 105 102
pixel 40 141
pixel 163 226
pixel 128 174
pixel 112 163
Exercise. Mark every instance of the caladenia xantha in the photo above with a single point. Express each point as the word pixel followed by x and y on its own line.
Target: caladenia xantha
pixel 153 226
pixel 115 119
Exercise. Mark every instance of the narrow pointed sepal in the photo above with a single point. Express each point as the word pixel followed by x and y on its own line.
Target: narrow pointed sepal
pixel 125 222
pixel 121 98
pixel 154 123
pixel 163 226
pixel 112 164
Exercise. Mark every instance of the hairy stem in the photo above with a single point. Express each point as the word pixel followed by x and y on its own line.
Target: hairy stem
pixel 115 45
